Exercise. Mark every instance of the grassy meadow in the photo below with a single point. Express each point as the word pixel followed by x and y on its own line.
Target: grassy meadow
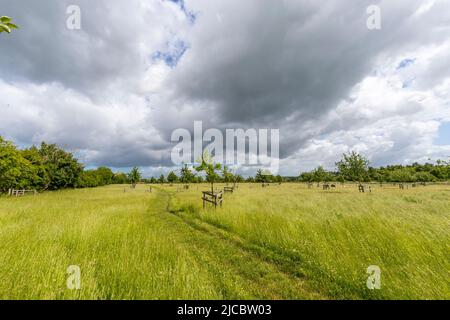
pixel 280 242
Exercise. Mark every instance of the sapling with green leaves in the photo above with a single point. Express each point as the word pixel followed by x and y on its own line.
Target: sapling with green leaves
pixel 186 175
pixel 212 170
pixel 227 175
pixel 134 176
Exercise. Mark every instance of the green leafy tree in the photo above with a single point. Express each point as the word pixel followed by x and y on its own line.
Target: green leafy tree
pixel 306 177
pixel 41 179
pixel 227 175
pixel 105 176
pixel 186 175
pixel 264 176
pixel 62 168
pixel 88 179
pixel 15 171
pixel 172 177
pixel 353 167
pixel 120 178
pixel 259 177
pixel 424 177
pixel 320 175
pixel 402 174
pixel 6 25
pixel 161 179
pixel 134 177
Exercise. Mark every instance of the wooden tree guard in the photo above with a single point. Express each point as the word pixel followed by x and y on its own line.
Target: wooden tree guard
pixel 228 189
pixel 184 187
pixel 265 185
pixel 362 188
pixel 19 193
pixel 402 186
pixel 215 198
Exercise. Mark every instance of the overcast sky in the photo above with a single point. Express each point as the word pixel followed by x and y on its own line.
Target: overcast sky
pixel 113 91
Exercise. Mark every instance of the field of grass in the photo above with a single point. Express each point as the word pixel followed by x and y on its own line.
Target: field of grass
pixel 279 242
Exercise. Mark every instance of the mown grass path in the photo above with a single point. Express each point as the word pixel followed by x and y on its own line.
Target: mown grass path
pixel 237 269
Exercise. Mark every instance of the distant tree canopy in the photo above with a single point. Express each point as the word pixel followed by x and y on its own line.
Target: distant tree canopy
pixel 48 167
pixel 62 168
pixel 320 175
pixel 120 178
pixel 352 167
pixel 15 170
pixel 355 167
pixel 101 176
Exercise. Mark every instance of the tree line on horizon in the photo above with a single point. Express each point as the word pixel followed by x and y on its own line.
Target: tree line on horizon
pixel 48 167
pixel 355 167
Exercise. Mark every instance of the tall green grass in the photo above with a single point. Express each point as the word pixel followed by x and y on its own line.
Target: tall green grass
pixel 117 239
pixel 331 237
pixel 280 242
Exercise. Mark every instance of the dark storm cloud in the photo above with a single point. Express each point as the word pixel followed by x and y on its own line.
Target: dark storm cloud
pixel 106 49
pixel 283 63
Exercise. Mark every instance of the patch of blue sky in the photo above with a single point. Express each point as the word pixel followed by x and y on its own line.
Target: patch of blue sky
pixel 443 137
pixel 408 83
pixel 21 145
pixel 405 63
pixel 173 55
pixel 189 14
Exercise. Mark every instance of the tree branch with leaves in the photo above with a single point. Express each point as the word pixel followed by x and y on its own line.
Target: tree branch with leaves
pixel 6 25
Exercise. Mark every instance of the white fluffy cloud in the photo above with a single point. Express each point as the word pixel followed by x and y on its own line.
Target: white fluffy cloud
pixel 114 90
